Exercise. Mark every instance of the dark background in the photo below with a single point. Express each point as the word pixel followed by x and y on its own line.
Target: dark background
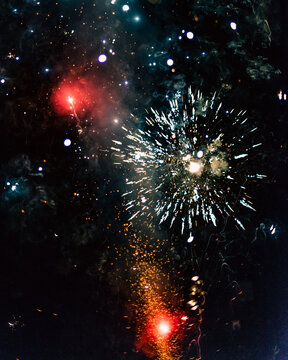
pixel 59 298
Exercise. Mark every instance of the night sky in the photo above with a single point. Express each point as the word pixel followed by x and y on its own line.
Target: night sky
pixel 80 277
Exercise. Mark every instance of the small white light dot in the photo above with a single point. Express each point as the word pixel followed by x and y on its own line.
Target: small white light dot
pixel 126 82
pixel 102 58
pixel 125 8
pixel 17 58
pixel 46 70
pixel 2 81
pixel 190 239
pixel 170 62
pixel 190 35
pixel 8 183
pixel 40 168
pixel 13 187
pixel 137 18
pixel 116 121
pixel 200 154
pixel 233 25
pixel 67 142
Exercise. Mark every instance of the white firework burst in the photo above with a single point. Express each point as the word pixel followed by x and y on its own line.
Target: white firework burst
pixel 189 163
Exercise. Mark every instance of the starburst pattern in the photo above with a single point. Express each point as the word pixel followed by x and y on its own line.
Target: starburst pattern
pixel 190 162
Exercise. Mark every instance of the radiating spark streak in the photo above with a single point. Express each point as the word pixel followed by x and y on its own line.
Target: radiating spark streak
pixel 179 184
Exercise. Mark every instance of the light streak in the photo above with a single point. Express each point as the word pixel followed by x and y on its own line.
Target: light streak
pixel 188 162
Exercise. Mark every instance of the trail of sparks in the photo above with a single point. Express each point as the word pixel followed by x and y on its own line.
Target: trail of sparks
pixel 158 321
pixel 189 162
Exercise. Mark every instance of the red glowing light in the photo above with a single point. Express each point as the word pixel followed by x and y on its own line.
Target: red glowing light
pixel 70 100
pixel 162 326
pixel 82 97
pixel 75 96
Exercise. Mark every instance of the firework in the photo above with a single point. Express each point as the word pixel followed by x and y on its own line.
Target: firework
pixel 156 304
pixel 189 162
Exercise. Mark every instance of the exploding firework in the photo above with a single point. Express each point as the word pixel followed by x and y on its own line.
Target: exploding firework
pixel 190 162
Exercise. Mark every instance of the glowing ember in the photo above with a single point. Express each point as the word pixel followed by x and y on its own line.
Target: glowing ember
pixel 70 100
pixel 164 328
pixel 194 167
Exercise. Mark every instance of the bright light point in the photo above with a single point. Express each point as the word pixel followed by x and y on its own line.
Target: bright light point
pixel 126 82
pixel 2 81
pixel 67 142
pixel 170 62
pixel 233 25
pixel 46 70
pixel 13 187
pixel 116 121
pixel 200 154
pixel 113 2
pixel 164 328
pixel 125 8
pixel 70 100
pixel 8 183
pixel 137 156
pixel 17 58
pixel 102 58
pixel 184 318
pixel 194 167
pixel 195 278
pixel 190 35
pixel 190 239
pixel 137 18
pixel 40 168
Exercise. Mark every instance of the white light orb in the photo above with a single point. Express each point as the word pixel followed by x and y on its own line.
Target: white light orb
pixel 200 154
pixel 125 8
pixel 170 62
pixel 233 25
pixel 194 167
pixel 190 35
pixel 190 239
pixel 67 142
pixel 163 328
pixel 102 58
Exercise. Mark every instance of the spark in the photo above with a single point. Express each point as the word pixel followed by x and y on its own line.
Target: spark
pixel 194 167
pixel 67 142
pixel 125 8
pixel 190 35
pixel 233 25
pixel 189 162
pixel 102 58
pixel 70 100
pixel 170 62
